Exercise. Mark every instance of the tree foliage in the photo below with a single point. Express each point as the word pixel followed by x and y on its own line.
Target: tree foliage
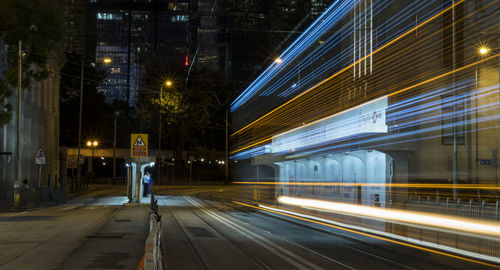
pixel 39 25
pixel 193 113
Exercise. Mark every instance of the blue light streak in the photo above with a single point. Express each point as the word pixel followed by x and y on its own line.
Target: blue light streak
pixel 394 25
pixel 411 113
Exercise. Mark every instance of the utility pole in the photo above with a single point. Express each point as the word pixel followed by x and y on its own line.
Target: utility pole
pixel 79 169
pixel 114 149
pixel 455 129
pixel 159 140
pixel 226 180
pixel 18 112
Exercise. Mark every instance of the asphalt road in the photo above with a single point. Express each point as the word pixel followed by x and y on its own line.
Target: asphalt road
pixel 204 229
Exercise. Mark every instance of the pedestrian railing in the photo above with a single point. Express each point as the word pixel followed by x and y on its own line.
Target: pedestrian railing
pixel 481 211
pixel 152 259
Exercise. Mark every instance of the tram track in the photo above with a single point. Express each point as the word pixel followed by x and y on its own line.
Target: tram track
pixel 365 252
pixel 290 257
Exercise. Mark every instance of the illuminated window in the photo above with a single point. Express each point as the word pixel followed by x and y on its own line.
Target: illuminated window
pixel 178 6
pixel 109 16
pixel 180 18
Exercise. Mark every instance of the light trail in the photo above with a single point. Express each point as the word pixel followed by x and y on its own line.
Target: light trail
pixel 350 184
pixel 398 110
pixel 359 231
pixel 442 221
pixel 246 94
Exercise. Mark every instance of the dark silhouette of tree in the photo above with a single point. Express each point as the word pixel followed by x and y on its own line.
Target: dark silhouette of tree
pixel 39 25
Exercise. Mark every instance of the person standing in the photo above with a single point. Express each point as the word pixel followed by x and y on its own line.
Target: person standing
pixel 150 183
pixel 145 184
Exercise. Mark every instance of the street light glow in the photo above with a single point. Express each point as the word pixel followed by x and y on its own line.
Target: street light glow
pixel 278 60
pixel 168 83
pixel 107 60
pixel 95 143
pixel 483 50
pixel 89 143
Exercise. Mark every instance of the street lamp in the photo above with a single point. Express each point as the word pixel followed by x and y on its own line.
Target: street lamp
pixel 106 60
pixel 93 145
pixel 114 148
pixel 168 83
pixel 483 50
pixel 278 60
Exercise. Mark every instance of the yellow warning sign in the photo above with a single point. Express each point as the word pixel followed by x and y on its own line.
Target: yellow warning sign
pixel 71 162
pixel 139 145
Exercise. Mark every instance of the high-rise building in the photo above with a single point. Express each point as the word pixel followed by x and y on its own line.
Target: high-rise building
pixel 241 37
pixel 128 33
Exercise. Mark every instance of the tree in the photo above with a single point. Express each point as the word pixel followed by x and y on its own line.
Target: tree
pixel 39 25
pixel 193 113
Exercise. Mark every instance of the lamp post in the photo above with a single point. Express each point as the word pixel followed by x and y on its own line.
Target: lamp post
pixel 92 145
pixel 114 148
pixel 18 112
pixel 168 83
pixel 482 51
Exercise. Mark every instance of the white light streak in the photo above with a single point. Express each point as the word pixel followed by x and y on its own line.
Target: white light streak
pixel 396 215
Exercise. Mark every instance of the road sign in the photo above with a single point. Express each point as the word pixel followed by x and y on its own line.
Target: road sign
pixel 139 145
pixel 485 161
pixel 71 162
pixel 40 157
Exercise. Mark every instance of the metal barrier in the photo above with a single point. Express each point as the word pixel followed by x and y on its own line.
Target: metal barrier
pixel 152 259
pixel 26 198
pixel 474 210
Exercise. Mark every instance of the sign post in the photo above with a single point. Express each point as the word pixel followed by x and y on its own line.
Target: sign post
pixel 40 159
pixel 139 145
pixel 71 162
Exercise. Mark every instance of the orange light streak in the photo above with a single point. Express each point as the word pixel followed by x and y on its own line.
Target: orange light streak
pixel 447 222
pixel 397 185
pixel 350 66
pixel 372 236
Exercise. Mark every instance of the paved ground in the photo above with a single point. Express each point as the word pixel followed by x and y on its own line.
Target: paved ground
pixel 92 231
pixel 202 229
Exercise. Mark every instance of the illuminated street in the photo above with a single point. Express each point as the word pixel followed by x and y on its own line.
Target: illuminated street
pixel 249 134
pixel 210 231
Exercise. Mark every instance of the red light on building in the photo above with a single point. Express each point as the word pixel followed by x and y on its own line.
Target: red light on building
pixel 186 63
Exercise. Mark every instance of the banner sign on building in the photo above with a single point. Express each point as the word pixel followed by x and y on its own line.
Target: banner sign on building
pixel 366 118
pixel 139 145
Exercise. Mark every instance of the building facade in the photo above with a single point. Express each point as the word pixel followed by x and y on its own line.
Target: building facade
pixel 374 96
pixel 39 130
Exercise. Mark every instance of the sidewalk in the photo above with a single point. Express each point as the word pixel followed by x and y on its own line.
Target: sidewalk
pixel 117 245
